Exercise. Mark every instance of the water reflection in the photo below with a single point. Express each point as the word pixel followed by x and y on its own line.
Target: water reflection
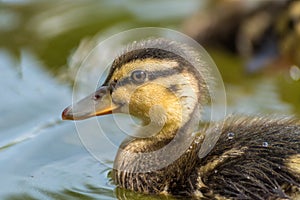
pixel 129 195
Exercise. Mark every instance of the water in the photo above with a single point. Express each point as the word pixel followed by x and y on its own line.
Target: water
pixel 42 157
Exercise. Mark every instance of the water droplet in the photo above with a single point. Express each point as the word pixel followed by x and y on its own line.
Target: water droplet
pixel 216 171
pixel 230 135
pixel 265 144
pixel 279 167
pixel 248 177
pixel 295 73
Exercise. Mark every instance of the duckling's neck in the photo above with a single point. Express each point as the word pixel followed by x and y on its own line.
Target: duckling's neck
pixel 158 157
pixel 162 127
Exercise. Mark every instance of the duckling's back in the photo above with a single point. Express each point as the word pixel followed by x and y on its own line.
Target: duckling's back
pixel 254 158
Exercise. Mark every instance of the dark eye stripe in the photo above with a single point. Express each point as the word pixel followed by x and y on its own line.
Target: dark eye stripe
pixel 164 73
pixel 152 76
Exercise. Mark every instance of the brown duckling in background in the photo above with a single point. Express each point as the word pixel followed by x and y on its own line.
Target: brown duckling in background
pixel 254 158
pixel 288 29
pixel 264 33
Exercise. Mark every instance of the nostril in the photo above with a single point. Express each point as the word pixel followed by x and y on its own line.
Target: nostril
pixel 99 93
pixel 97 96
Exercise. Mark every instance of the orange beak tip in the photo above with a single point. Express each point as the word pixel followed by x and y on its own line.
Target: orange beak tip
pixel 66 114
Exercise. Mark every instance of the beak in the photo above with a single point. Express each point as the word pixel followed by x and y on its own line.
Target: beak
pixel 98 103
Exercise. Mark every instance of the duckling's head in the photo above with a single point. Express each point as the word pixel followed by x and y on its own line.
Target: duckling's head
pixel 154 80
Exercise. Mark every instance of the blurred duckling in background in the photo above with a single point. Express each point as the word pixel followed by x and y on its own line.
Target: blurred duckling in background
pixel 265 33
pixel 288 28
pixel 254 158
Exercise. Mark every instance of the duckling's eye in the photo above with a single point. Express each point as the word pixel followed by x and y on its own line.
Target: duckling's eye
pixel 138 76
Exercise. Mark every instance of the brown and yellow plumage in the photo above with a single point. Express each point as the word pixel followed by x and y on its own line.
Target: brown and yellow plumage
pixel 254 158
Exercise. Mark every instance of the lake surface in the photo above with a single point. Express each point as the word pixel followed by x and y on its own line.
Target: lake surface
pixel 41 156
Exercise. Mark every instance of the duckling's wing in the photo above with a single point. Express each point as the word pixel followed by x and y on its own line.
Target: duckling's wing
pixel 254 159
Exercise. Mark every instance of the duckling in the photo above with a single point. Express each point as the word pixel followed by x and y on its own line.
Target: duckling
pixel 288 29
pixel 254 157
pixel 264 33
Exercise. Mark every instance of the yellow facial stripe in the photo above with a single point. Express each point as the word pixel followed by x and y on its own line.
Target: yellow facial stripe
pixel 149 64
